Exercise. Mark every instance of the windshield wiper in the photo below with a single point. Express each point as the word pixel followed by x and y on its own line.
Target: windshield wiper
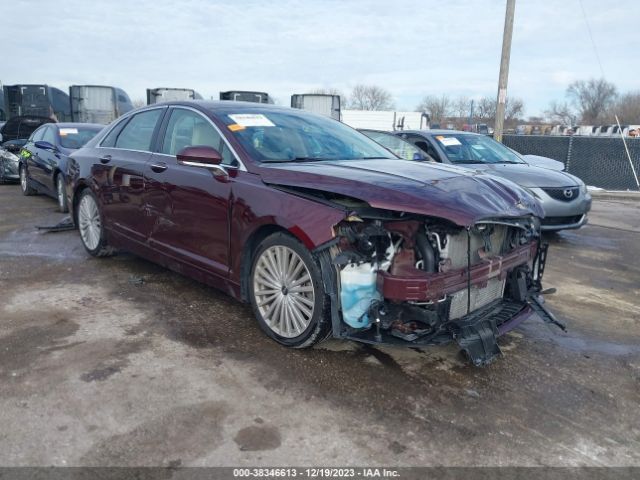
pixel 308 159
pixel 296 159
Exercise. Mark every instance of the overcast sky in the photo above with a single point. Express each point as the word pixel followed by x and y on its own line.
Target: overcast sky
pixel 411 48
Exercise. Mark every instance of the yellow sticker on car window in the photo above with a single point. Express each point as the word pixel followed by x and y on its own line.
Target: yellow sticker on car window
pixel 448 141
pixel 234 127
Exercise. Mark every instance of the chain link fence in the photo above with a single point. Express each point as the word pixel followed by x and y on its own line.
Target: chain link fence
pixel 598 161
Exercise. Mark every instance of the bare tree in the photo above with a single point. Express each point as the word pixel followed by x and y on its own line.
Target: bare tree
pixel 627 107
pixel 370 97
pixel 487 106
pixel 462 107
pixel 514 109
pixel 592 98
pixel 138 102
pixel 486 109
pixel 561 113
pixel 439 108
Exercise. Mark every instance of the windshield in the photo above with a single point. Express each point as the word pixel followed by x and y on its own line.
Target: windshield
pixel 462 148
pixel 76 137
pixel 397 145
pixel 287 136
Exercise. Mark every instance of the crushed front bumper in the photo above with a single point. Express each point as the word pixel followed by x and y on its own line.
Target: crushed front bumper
pixel 476 332
pixel 411 287
pixel 9 170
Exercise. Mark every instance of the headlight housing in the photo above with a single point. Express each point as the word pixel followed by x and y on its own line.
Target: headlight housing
pixel 7 155
pixel 583 188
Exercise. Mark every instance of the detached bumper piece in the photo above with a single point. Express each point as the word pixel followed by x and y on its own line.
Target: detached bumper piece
pixel 477 333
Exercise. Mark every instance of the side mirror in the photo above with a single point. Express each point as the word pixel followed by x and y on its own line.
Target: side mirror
pixel 199 156
pixel 44 145
pixel 419 157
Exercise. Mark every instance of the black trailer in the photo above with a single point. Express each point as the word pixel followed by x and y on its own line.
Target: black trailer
pixel 36 100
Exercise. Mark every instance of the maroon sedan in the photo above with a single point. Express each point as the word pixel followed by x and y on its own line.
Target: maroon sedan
pixel 321 229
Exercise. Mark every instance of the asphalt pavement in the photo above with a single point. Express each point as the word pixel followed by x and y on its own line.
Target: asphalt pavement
pixel 120 362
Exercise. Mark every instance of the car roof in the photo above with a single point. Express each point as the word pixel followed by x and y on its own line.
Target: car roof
pixel 440 131
pixel 224 105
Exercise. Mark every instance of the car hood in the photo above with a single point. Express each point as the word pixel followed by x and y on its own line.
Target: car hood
pixel 459 195
pixel 527 175
pixel 14 146
pixel 544 162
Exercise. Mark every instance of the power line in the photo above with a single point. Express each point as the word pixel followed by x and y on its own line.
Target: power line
pixel 595 50
pixel 593 42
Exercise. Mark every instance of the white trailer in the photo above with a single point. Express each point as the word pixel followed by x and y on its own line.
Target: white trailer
pixel 159 95
pixel 322 104
pixel 98 103
pixel 385 120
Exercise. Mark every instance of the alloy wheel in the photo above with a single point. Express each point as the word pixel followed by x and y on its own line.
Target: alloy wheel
pixel 284 291
pixel 60 192
pixel 23 179
pixel 89 222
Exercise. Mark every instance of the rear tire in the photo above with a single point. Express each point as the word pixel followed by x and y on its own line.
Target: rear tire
pixel 25 185
pixel 61 195
pixel 287 293
pixel 91 226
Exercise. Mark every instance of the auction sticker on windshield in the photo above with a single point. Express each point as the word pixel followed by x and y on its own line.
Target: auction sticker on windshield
pixel 448 141
pixel 68 131
pixel 251 120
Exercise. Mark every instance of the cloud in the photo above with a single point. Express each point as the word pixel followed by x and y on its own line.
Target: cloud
pixel 411 48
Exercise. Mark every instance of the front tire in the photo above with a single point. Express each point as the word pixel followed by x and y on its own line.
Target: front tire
pixel 61 194
pixel 287 293
pixel 91 226
pixel 25 186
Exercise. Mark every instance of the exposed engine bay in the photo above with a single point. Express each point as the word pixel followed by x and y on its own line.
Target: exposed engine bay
pixel 420 281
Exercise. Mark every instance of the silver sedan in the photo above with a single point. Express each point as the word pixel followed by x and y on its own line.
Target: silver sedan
pixel 564 197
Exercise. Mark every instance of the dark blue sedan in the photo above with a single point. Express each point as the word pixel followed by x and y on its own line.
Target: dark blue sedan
pixel 43 159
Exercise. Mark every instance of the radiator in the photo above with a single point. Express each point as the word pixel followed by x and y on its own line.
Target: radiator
pixel 479 298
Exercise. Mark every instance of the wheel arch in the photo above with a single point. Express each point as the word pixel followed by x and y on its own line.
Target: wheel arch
pixel 77 192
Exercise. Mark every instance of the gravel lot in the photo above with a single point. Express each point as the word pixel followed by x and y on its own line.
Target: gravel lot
pixel 99 367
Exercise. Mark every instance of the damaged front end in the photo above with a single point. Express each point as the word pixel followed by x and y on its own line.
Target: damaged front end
pixel 414 280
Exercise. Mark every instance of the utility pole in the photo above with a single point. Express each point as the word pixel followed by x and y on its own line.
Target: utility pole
pixel 504 70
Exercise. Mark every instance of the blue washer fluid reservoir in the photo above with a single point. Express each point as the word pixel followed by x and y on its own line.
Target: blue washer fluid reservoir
pixel 357 290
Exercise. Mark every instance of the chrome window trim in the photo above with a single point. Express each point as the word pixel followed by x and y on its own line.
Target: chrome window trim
pixel 122 119
pixel 241 166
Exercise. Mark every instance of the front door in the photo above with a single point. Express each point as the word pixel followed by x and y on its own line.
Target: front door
pixel 189 206
pixel 43 160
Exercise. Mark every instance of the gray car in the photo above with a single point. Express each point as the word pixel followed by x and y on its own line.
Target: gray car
pixel 564 197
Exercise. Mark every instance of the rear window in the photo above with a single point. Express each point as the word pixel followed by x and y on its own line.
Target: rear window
pixel 76 137
pixel 137 134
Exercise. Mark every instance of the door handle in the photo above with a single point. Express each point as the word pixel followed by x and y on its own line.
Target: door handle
pixel 159 167
pixel 105 159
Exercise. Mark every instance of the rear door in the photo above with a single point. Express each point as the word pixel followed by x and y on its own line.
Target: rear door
pixel 119 169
